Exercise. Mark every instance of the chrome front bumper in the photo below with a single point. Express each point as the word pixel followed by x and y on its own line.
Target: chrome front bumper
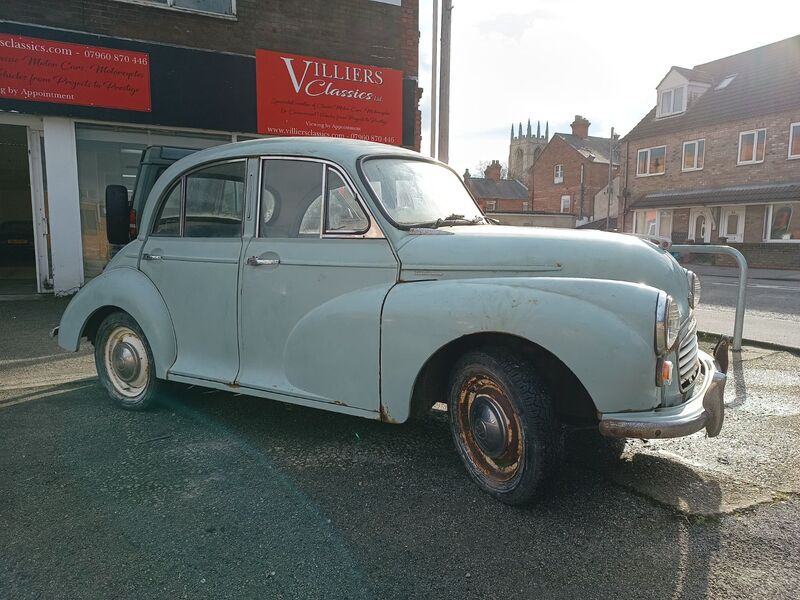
pixel 706 407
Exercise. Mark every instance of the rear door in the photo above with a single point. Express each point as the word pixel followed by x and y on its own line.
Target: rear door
pixel 192 255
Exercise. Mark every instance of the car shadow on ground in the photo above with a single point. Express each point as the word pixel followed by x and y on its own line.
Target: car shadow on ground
pixel 398 494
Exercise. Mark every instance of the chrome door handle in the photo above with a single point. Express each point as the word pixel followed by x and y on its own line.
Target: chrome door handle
pixel 146 256
pixel 254 261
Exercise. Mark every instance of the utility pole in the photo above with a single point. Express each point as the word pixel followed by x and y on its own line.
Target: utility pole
pixel 434 78
pixel 444 84
pixel 610 179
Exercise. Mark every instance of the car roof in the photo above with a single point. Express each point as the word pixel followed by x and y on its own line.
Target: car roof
pixel 339 150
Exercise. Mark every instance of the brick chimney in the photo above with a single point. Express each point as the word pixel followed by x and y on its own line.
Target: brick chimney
pixel 493 171
pixel 580 126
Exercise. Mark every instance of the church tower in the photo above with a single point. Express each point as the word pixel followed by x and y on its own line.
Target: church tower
pixel 524 149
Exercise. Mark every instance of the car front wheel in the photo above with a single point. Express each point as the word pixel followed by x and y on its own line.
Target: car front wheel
pixel 124 363
pixel 503 424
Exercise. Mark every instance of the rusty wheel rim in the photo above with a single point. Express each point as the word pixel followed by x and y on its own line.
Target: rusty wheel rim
pixel 489 430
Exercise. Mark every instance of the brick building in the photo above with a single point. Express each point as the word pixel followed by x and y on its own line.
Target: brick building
pixel 718 159
pixel 570 171
pixel 495 194
pixel 87 85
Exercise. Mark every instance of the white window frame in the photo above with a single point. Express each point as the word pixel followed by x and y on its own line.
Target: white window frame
pixel 657 223
pixel 491 205
pixel 708 215
pixel 684 168
pixel 725 213
pixel 170 5
pixel 672 111
pixel 768 226
pixel 568 199
pixel 791 140
pixel 739 160
pixel 647 161
pixel 526 206
pixel 558 174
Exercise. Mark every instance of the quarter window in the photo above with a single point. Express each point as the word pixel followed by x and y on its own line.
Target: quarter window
pixel 558 174
pixel 168 221
pixel 651 161
pixel 215 201
pixel 693 155
pixel 794 140
pixel 342 211
pixel 751 146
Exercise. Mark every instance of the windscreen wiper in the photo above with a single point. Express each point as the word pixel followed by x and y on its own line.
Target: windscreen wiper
pixel 449 221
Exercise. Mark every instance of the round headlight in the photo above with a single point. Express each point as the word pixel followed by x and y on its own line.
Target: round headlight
pixel 667 323
pixel 694 288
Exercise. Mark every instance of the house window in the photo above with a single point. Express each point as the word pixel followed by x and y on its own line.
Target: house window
pixel 651 161
pixel 731 223
pixel 751 146
pixel 565 201
pixel 672 102
pixel 226 8
pixel 526 206
pixel 693 155
pixel 725 82
pixel 794 140
pixel 653 222
pixel 491 205
pixel 782 222
pixel 558 174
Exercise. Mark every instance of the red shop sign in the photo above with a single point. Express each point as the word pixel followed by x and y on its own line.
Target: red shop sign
pixel 48 71
pixel 303 95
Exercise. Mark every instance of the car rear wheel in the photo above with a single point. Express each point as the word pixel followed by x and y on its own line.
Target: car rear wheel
pixel 125 364
pixel 503 425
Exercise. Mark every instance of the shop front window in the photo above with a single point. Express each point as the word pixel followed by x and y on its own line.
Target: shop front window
pixel 110 155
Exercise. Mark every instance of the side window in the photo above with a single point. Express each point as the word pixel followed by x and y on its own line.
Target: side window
pixel 343 213
pixel 168 221
pixel 215 201
pixel 291 199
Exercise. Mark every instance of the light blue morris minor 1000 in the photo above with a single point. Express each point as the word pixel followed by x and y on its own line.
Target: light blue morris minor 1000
pixel 364 279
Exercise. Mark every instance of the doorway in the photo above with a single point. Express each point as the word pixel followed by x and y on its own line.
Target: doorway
pixel 17 239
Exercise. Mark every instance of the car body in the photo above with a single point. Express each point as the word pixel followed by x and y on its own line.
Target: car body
pixel 296 275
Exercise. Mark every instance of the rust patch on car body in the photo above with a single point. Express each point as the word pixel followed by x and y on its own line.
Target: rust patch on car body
pixel 386 417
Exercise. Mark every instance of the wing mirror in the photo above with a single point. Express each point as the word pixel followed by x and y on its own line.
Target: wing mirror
pixel 117 215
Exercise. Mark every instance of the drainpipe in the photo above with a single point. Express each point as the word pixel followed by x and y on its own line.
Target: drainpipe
pixel 580 215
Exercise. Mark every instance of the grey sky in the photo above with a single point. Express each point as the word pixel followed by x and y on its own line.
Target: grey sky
pixel 549 59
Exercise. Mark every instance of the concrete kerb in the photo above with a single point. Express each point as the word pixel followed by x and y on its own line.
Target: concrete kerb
pixel 713 337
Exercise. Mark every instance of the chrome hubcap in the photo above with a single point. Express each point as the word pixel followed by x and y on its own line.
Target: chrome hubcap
pixel 488 426
pixel 125 361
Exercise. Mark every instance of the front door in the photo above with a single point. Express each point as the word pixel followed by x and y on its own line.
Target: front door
pixel 313 284
pixel 192 255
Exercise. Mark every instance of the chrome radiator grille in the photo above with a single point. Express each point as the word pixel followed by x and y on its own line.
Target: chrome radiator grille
pixel 688 363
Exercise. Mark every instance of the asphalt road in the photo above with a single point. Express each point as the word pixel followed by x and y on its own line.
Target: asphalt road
pixel 772 309
pixel 215 495
pixel 769 297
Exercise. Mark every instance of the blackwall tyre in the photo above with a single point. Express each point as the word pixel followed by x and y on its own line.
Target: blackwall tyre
pixel 504 425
